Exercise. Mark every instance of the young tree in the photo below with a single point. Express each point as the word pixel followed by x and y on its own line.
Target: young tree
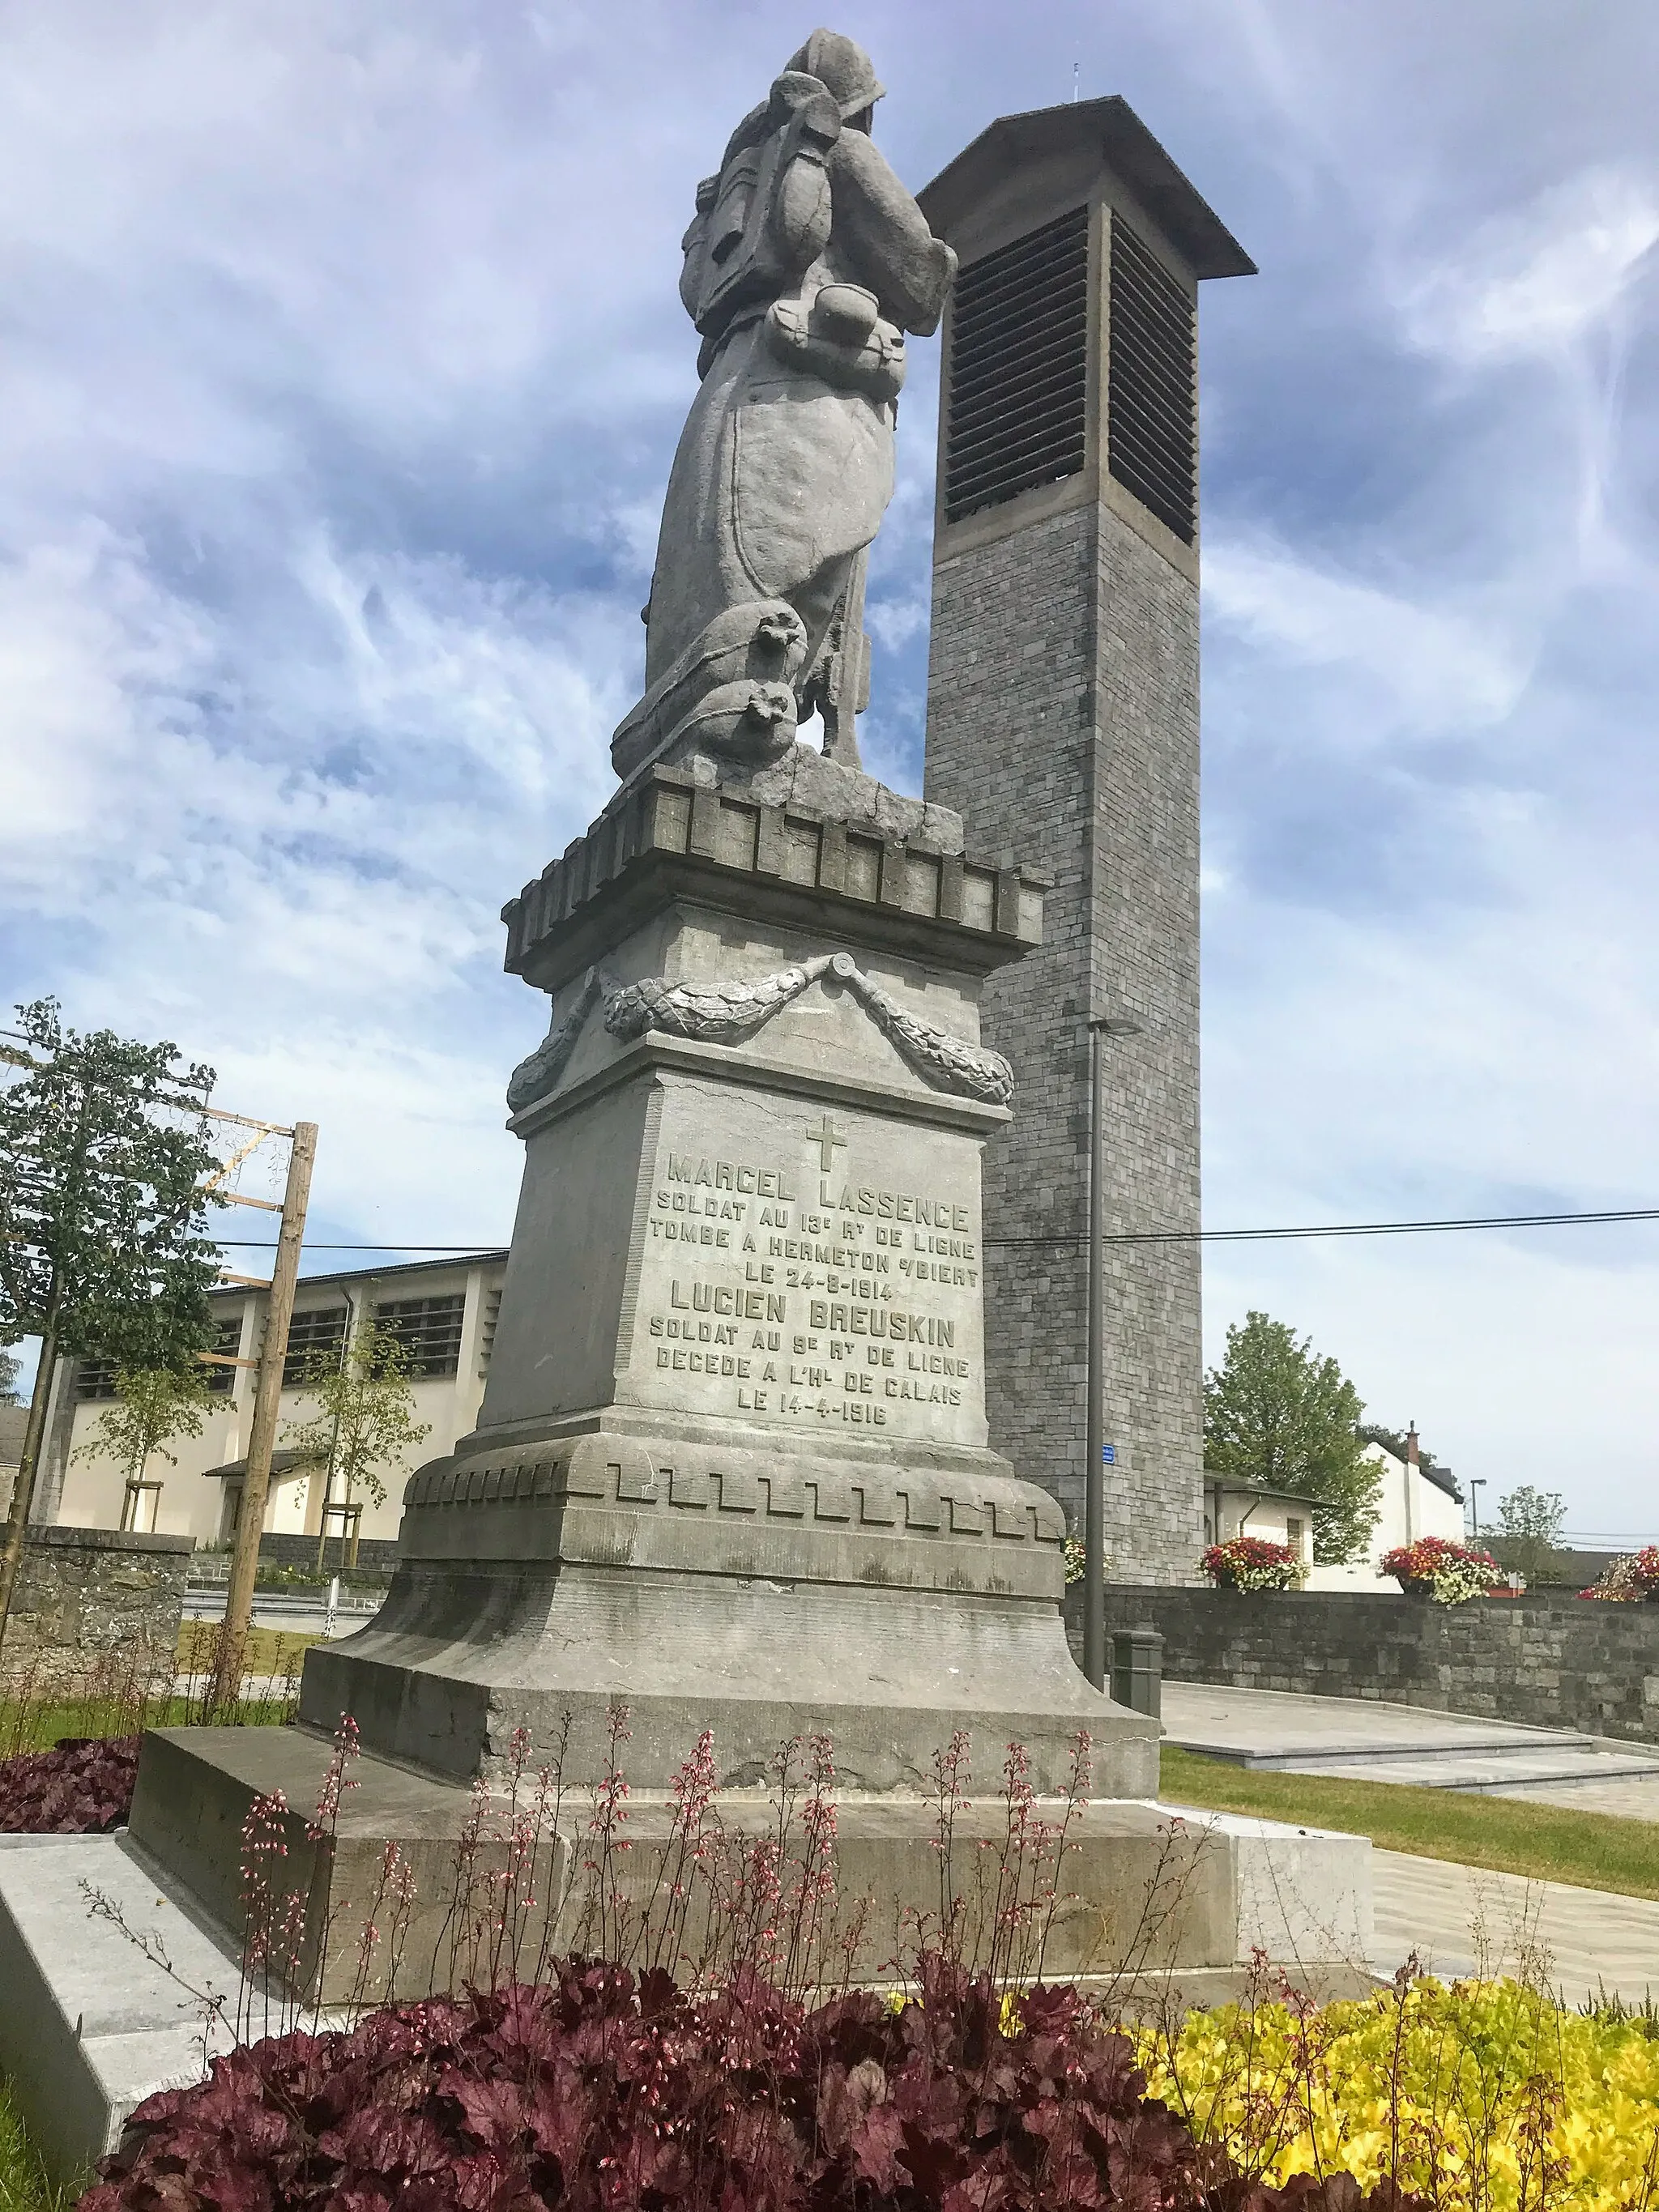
pixel 1280 1418
pixel 11 1368
pixel 1527 1538
pixel 364 1417
pixel 152 1406
pixel 103 1248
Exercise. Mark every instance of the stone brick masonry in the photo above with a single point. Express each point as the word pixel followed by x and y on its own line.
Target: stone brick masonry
pixel 82 1593
pixel 1564 1662
pixel 1062 722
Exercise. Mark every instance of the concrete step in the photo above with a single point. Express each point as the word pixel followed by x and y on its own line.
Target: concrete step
pixel 92 2024
pixel 1311 1760
pixel 1502 1772
pixel 1365 1740
pixel 1163 1914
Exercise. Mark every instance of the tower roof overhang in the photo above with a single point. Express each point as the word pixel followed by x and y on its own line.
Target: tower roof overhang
pixel 1111 131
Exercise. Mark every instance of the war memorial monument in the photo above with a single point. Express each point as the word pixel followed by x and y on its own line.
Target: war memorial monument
pixel 733 1467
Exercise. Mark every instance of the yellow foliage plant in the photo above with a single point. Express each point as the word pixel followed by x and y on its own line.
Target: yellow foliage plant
pixel 1479 2096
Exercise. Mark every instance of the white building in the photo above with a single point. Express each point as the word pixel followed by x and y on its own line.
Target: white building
pixel 14 1420
pixel 445 1313
pixel 1233 1509
pixel 1414 1501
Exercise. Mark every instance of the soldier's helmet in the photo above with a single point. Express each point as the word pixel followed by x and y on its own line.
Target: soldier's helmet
pixel 843 68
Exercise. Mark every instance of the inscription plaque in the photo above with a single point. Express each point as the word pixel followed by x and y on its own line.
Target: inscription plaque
pixel 824 1276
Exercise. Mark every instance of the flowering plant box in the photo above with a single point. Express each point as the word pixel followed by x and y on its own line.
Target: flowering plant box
pixel 1450 1573
pixel 1253 1563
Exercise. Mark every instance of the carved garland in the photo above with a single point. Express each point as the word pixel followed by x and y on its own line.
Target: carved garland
pixel 534 1078
pixel 948 1062
pixel 718 1013
pixel 725 1013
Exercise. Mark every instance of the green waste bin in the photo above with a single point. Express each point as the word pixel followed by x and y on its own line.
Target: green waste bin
pixel 1138 1670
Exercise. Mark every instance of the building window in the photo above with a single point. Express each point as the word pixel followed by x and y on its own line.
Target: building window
pixel 94 1379
pixel 227 1343
pixel 1293 1534
pixel 316 1338
pixel 428 1329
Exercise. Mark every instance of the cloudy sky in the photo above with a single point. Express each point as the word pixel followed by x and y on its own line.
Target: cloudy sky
pixel 341 368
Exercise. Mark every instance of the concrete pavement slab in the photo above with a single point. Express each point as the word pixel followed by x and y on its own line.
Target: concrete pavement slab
pixel 92 2023
pixel 1636 1798
pixel 1355 1740
pixel 1463 1920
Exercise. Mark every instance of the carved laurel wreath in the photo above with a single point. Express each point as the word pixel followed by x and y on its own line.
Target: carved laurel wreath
pixel 725 1013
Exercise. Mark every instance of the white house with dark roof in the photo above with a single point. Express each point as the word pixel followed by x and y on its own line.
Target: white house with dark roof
pixel 1413 1501
pixel 444 1310
pixel 1237 1509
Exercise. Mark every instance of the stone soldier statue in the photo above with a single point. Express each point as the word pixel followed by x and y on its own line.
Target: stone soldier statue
pixel 804 266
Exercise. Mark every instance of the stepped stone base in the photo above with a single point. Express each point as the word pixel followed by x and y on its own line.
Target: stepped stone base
pixel 1143 1894
pixel 90 2028
pixel 730 1467
pixel 884 1599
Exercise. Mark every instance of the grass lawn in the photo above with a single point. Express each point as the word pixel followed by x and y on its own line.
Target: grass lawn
pixel 270 1651
pixel 23 2186
pixel 37 1727
pixel 1595 1850
pixel 51 1711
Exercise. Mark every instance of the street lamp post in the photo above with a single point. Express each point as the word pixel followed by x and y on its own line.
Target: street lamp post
pixel 1094 1488
pixel 1475 1482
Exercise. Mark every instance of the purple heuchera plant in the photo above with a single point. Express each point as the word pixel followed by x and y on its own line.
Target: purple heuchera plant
pixel 603 2093
pixel 81 1787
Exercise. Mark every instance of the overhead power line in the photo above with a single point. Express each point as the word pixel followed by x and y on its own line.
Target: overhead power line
pixel 1149 1236
pixel 1343 1229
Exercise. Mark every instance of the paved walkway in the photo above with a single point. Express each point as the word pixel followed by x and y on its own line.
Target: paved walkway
pixel 1458 1919
pixel 1356 1739
pixel 291 1615
pixel 1634 1799
pixel 1462 1920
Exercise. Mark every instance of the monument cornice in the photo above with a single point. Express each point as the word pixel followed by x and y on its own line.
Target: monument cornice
pixel 863 881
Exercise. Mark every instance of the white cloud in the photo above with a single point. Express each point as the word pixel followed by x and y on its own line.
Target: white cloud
pixel 1538 280
pixel 1492 1059
pixel 1440 669
pixel 396 707
pixel 98 670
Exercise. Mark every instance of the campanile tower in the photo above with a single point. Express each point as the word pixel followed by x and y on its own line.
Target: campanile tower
pixel 1062 722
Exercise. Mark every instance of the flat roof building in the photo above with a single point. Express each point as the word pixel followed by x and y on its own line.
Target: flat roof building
pixel 443 1311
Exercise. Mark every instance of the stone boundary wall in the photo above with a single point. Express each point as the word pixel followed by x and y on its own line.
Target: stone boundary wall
pixel 83 1592
pixel 1545 1662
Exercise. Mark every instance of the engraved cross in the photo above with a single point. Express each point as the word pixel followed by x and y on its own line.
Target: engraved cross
pixel 826 1138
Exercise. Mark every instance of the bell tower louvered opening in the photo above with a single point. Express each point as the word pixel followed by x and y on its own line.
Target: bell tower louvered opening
pixel 1018 410
pixel 1151 433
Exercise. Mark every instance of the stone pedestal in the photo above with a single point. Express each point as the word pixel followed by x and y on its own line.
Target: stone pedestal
pixel 730 1467
pixel 730 1470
